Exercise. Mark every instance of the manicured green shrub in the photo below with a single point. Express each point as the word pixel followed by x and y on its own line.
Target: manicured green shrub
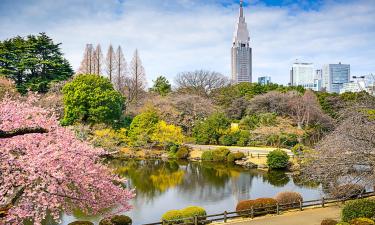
pixel 233 156
pixel 187 213
pixel 362 221
pixel 289 198
pixel 217 155
pixel 81 223
pixel 342 223
pixel 348 191
pixel 172 215
pixel 358 208
pixel 192 211
pixel 220 154
pixel 121 220
pixel 328 222
pixel 259 205
pixel 182 152
pixel 207 156
pixel 277 159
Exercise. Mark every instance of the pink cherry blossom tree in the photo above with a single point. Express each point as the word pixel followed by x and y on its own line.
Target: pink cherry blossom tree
pixel 44 168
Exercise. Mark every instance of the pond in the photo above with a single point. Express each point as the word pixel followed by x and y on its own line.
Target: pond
pixel 165 185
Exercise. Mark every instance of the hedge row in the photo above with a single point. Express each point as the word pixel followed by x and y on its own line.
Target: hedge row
pixel 260 205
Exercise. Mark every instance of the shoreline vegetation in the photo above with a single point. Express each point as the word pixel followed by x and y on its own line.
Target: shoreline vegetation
pixel 103 110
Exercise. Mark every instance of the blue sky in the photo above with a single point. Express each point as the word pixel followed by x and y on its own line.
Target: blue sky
pixel 181 35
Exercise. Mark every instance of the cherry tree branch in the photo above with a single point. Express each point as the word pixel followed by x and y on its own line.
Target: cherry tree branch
pixel 22 131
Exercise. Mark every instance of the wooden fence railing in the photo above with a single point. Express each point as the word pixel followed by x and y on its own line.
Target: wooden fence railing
pixel 251 213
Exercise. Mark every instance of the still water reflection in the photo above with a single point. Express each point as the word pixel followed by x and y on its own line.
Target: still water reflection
pixel 164 185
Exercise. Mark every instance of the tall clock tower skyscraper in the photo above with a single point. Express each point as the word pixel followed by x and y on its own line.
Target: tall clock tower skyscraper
pixel 241 51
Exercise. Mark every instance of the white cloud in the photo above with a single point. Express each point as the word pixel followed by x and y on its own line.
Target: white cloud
pixel 175 36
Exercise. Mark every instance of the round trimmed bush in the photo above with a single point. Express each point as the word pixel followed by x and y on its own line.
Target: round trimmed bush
pixel 289 198
pixel 207 156
pixel 121 220
pixel 220 154
pixel 81 223
pixel 328 222
pixel 348 191
pixel 182 153
pixel 342 223
pixel 358 208
pixel 233 156
pixel 277 159
pixel 116 220
pixel 258 205
pixel 244 205
pixel 362 221
pixel 217 155
pixel 192 211
pixel 179 215
pixel 172 215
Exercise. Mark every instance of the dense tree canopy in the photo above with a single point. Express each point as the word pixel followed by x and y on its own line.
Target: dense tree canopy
pixel 45 169
pixel 92 99
pixel 210 130
pixel 33 62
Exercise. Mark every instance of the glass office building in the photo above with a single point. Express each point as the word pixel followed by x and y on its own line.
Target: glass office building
pixel 334 76
pixel 264 80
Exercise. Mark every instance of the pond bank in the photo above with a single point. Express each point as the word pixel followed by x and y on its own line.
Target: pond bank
pixel 255 157
pixel 163 185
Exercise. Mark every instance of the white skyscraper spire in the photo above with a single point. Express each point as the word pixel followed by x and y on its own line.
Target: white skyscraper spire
pixel 241 51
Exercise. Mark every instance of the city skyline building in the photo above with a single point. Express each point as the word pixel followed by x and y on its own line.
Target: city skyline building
pixel 302 74
pixel 334 76
pixel 241 52
pixel 263 80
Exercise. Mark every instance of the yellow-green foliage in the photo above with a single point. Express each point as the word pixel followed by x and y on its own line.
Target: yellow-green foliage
pixel 109 138
pixel 192 211
pixel 172 215
pixel 217 155
pixel 362 221
pixel 165 134
pixel 186 213
pixel 233 156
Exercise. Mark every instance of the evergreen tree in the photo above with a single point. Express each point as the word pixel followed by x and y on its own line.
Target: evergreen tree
pixel 33 62
pixel 161 86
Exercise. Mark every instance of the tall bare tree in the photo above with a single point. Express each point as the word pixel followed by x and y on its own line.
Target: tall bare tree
pixel 120 71
pixel 110 62
pixel 98 60
pixel 200 82
pixel 87 63
pixel 137 79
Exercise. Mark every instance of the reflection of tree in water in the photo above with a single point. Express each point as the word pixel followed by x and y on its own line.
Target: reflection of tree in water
pixel 150 177
pixel 302 182
pixel 276 178
pixel 213 181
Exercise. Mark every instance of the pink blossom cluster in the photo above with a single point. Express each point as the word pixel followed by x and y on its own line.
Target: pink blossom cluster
pixel 53 171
